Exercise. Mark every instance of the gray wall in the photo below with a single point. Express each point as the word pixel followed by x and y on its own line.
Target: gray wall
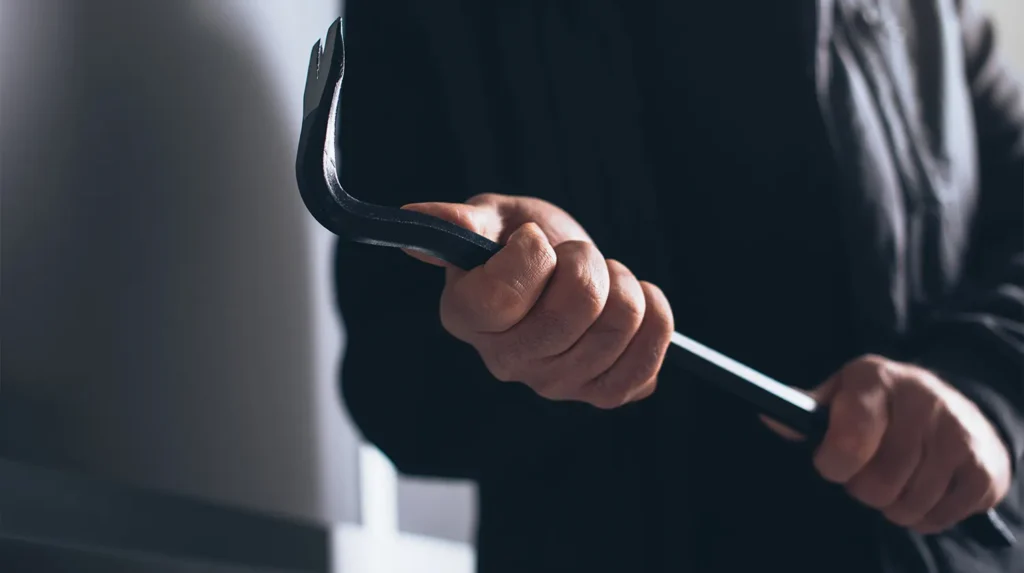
pixel 166 301
pixel 1009 17
pixel 165 311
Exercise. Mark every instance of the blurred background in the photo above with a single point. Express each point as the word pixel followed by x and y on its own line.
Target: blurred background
pixel 166 301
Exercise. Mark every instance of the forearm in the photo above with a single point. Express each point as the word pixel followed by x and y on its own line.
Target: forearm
pixel 408 386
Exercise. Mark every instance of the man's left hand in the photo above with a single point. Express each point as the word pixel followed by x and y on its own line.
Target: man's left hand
pixel 904 442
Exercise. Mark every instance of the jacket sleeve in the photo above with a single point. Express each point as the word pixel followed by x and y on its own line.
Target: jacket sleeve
pixel 978 343
pixel 406 385
pixel 421 396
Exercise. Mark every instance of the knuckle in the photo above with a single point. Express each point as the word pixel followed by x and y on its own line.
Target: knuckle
pixel 549 328
pixel 493 305
pixel 856 415
pixel 882 497
pixel 917 400
pixel 871 493
pixel 632 310
pixel 895 458
pixel 658 312
pixel 879 486
pixel 867 372
pixel 901 516
pixel 651 365
pixel 848 446
pixel 629 308
pixel 956 440
pixel 606 340
pixel 591 299
pixel 611 331
pixel 544 255
pixel 663 325
pixel 581 267
pixel 620 319
pixel 643 369
pixel 500 298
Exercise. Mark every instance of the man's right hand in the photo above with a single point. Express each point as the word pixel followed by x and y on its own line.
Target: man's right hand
pixel 548 310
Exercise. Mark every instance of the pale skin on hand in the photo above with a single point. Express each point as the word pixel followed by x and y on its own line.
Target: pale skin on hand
pixel 548 310
pixel 902 441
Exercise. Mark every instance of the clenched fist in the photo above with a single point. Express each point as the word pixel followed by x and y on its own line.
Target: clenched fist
pixel 906 443
pixel 548 310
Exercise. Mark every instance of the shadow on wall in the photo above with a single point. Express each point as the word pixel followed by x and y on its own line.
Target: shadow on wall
pixel 156 316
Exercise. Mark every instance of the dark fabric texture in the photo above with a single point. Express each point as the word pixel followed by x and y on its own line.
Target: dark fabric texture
pixel 806 183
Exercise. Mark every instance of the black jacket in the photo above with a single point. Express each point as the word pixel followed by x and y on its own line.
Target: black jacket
pixel 927 132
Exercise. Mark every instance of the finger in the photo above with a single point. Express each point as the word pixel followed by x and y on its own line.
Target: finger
pixel 930 479
pixel 636 369
pixel 424 257
pixel 598 349
pixel 883 479
pixel 968 487
pixel 483 218
pixel 498 294
pixel 515 211
pixel 782 430
pixel 574 298
pixel 858 418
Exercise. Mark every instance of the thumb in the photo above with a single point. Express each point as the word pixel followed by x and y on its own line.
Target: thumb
pixel 480 219
pixel 822 394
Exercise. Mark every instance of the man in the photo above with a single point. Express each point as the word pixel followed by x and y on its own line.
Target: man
pixel 829 191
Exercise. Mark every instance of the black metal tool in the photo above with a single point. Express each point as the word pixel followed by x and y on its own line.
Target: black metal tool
pixel 317 170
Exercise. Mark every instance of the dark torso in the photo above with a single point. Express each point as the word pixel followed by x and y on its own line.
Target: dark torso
pixel 686 138
pixel 748 191
pixel 696 156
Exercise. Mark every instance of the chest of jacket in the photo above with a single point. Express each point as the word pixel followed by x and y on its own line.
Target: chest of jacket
pixel 892 84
